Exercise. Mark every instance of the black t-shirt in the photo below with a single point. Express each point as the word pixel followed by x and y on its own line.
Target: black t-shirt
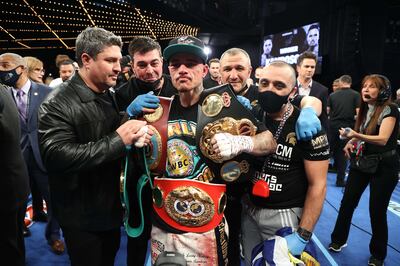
pixel 343 104
pixel 389 111
pixel 127 92
pixel 285 172
pixel 208 82
pixel 183 159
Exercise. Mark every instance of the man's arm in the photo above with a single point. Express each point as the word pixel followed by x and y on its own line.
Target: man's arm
pixel 316 172
pixel 229 146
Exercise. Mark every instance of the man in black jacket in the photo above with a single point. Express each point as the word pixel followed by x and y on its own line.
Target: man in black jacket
pixel 14 183
pixel 82 143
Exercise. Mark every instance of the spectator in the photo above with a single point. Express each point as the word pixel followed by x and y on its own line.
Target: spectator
pixel 35 69
pixel 214 77
pixel 66 70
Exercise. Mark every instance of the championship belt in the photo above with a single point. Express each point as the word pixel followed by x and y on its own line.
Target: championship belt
pixel 189 205
pixel 221 112
pixel 156 152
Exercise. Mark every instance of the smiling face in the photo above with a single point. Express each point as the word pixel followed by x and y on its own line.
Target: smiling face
pixel 235 70
pixel 148 66
pixel 103 70
pixel 187 72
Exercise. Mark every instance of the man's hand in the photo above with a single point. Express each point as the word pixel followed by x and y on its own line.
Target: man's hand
pixel 130 131
pixel 228 145
pixel 244 101
pixel 144 103
pixel 295 243
pixel 308 124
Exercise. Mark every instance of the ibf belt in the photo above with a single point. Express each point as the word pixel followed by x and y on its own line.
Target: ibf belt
pixel 221 112
pixel 189 205
pixel 156 152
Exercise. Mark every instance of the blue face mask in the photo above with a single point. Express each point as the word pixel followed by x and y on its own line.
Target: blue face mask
pixel 10 77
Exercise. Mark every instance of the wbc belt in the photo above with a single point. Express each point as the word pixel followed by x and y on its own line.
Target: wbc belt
pixel 189 205
pixel 156 152
pixel 221 112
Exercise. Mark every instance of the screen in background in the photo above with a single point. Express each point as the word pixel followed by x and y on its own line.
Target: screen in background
pixel 288 45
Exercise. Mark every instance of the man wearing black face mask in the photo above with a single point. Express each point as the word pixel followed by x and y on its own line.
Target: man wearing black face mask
pixel 138 97
pixel 296 172
pixel 28 95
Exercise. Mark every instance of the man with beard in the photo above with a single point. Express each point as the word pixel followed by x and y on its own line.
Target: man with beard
pixel 139 93
pixel 296 172
pixel 236 69
pixel 202 243
pixel 214 77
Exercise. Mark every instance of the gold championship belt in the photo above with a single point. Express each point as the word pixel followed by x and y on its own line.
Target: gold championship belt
pixel 221 112
pixel 156 151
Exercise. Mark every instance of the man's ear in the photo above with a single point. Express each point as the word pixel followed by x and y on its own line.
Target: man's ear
pixel 205 70
pixel 85 59
pixel 293 92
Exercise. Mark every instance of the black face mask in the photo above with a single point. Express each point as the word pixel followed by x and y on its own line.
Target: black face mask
pixel 10 77
pixel 148 86
pixel 257 80
pixel 271 102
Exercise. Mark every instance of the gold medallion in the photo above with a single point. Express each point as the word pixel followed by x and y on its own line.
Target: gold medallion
pixel 212 105
pixel 153 117
pixel 189 206
pixel 230 125
pixel 153 151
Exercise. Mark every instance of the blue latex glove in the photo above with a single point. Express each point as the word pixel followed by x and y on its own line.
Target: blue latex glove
pixel 295 243
pixel 148 100
pixel 308 124
pixel 244 101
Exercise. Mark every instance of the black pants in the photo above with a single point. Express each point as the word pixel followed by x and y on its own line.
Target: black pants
pixel 233 217
pixel 12 244
pixel 382 185
pixel 92 248
pixel 137 246
pixel 336 146
pixel 40 182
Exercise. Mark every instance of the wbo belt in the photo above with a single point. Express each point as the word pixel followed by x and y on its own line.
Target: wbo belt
pixel 189 205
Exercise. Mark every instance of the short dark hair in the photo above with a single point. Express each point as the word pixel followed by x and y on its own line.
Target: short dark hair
pixel 313 26
pixel 142 45
pixel 213 60
pixel 93 40
pixel 66 62
pixel 306 55
pixel 345 79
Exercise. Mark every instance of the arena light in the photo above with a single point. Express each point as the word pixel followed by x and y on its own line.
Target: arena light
pixel 207 50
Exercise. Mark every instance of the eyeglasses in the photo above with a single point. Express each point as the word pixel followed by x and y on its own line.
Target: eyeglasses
pixel 39 70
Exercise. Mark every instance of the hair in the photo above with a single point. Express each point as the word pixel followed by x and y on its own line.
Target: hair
pixel 282 64
pixel 336 81
pixel 19 60
pixel 66 62
pixel 382 84
pixel 306 55
pixel 92 41
pixel 60 58
pixel 398 92
pixel 313 26
pixel 32 63
pixel 236 51
pixel 213 60
pixel 142 45
pixel 345 79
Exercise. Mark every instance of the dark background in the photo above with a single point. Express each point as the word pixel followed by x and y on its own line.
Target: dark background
pixel 357 37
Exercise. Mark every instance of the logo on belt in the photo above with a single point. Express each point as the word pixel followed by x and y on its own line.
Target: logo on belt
pixel 180 158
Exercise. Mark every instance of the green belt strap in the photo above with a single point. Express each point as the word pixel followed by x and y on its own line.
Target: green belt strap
pixel 143 180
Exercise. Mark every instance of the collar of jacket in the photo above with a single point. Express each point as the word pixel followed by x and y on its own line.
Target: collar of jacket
pixel 83 91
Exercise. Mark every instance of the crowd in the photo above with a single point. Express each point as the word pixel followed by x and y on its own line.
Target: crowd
pixel 67 143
